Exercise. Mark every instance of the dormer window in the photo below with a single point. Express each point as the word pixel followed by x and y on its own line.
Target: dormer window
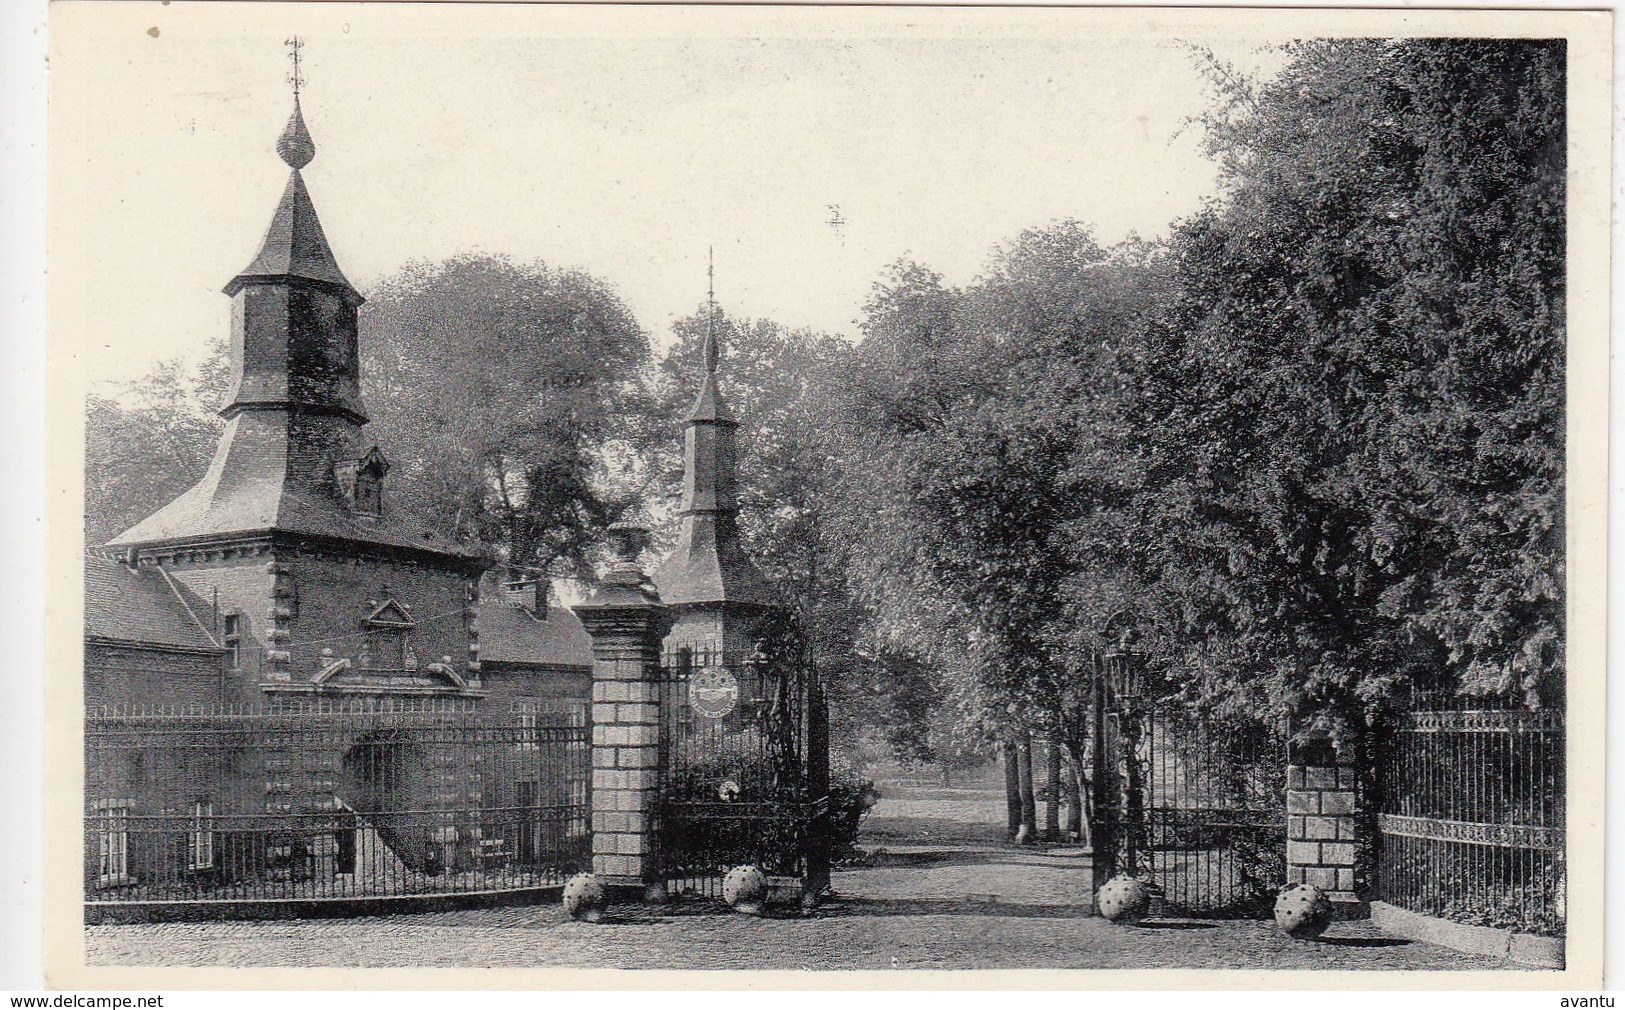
pixel 369 497
pixel 361 483
pixel 231 636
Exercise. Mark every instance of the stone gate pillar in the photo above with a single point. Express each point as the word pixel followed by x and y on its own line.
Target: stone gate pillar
pixel 1321 832
pixel 627 623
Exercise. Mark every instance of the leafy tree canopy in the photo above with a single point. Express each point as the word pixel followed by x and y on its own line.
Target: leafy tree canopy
pixel 501 391
pixel 1352 410
pixel 150 439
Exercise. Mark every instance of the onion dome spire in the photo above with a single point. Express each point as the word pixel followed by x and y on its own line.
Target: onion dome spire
pixel 295 146
pixel 295 247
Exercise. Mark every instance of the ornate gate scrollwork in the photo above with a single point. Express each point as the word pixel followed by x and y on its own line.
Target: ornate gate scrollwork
pixel 1195 809
pixel 747 783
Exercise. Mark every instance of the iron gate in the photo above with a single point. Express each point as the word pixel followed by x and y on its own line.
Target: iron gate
pixel 1195 809
pixel 744 771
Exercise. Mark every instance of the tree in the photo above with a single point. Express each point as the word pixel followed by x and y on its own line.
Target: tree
pixel 506 394
pixel 1352 408
pixel 150 439
pixel 992 464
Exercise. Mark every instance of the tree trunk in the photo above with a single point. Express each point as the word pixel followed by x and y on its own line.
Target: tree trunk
pixel 1012 789
pixel 1052 790
pixel 1073 781
pixel 1028 834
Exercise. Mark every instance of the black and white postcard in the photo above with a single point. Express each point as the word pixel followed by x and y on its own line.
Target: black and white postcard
pixel 790 493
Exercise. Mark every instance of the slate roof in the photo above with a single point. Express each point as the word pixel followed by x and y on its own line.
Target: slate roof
pixel 141 607
pixel 247 489
pixel 707 568
pixel 295 245
pixel 510 633
pixel 708 405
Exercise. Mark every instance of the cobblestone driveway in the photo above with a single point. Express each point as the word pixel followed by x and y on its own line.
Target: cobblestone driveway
pixel 937 908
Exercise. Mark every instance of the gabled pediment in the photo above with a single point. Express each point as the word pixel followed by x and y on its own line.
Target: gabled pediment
pixel 343 676
pixel 390 614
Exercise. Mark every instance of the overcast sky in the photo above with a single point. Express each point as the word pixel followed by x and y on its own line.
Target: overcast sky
pixel 619 148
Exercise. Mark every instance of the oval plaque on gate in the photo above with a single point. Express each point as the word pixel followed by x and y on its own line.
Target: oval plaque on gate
pixel 713 692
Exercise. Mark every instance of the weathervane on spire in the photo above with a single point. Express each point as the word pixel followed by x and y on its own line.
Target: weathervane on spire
pixel 295 146
pixel 710 310
pixel 294 44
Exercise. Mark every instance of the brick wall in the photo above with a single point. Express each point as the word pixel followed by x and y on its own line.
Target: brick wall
pixel 521 682
pixel 333 597
pixel 714 627
pixel 244 588
pixel 303 602
pixel 121 675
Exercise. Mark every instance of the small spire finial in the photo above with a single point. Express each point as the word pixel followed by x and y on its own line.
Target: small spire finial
pixel 710 310
pixel 295 146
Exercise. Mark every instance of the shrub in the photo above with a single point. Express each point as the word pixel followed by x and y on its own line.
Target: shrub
pixel 750 776
pixel 851 797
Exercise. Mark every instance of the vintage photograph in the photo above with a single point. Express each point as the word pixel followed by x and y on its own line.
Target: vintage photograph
pixel 820 489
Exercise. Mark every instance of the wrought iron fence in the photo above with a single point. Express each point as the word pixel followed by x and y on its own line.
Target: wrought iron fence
pixel 1471 817
pixel 744 772
pixel 361 799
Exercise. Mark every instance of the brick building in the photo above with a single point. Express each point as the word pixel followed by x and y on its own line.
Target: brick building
pixel 295 570
pixel 531 647
pixel 317 583
pixel 288 585
pixel 148 640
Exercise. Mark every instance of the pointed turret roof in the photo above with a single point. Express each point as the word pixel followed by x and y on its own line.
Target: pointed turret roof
pixel 295 247
pixel 247 490
pixel 265 476
pixel 709 406
pixel 709 565
pixel 706 568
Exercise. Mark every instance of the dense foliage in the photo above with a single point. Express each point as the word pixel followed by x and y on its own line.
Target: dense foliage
pixel 1312 442
pixel 1352 406
pixel 150 439
pixel 497 388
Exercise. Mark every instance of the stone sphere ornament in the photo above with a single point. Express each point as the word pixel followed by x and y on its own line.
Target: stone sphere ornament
pixel 1303 912
pixel 584 898
pixel 1123 899
pixel 745 889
